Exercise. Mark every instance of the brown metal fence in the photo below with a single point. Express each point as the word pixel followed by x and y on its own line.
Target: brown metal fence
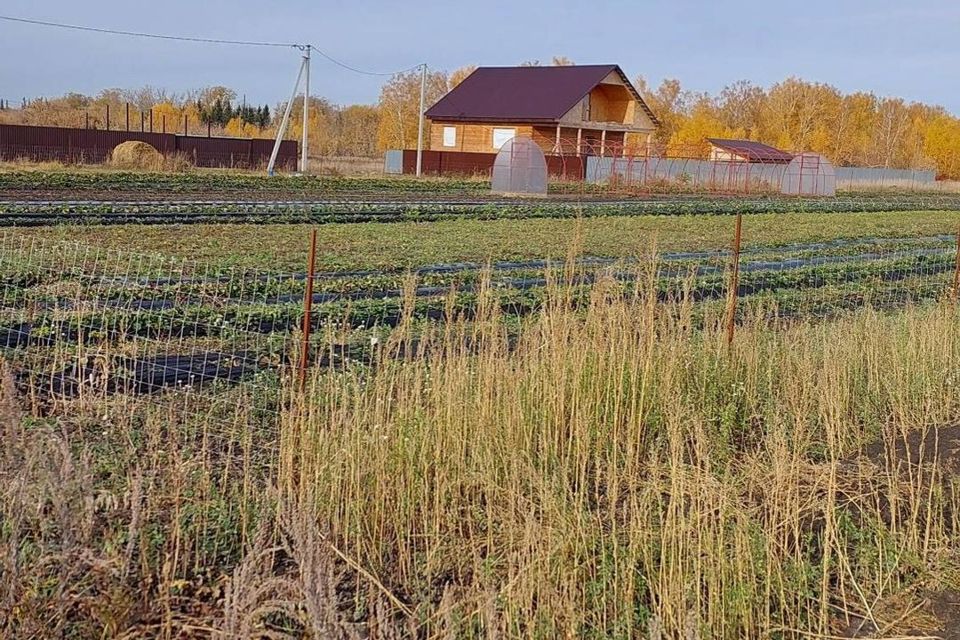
pixel 60 144
pixel 462 163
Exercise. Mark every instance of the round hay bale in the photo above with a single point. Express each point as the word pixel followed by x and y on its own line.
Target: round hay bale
pixel 134 154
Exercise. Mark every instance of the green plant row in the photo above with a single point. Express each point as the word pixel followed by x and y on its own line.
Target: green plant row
pixel 210 317
pixel 401 212
pixel 205 181
pixel 52 290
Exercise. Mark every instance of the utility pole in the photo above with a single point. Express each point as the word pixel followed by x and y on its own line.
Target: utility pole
pixel 423 91
pixel 306 110
pixel 283 123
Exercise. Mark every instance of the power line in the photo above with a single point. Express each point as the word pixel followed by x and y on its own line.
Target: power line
pixel 244 43
pixel 138 34
pixel 356 70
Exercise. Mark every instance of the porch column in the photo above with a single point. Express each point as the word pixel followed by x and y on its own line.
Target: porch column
pixel 579 138
pixel 556 145
pixel 603 142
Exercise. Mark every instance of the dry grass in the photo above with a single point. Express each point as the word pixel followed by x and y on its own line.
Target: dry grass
pixel 610 473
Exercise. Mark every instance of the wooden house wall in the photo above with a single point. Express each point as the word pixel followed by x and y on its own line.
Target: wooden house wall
pixel 475 138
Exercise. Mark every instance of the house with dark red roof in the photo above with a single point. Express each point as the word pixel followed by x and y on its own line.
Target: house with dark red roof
pixel 746 151
pixel 577 109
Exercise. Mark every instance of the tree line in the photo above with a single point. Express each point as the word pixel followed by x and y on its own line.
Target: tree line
pixel 221 112
pixel 851 129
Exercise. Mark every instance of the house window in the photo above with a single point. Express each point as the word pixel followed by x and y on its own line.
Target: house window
pixel 500 137
pixel 449 136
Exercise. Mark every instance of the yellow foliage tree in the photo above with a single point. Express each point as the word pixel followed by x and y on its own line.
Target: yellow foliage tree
pixel 460 75
pixel 237 128
pixel 167 117
pixel 692 131
pixel 399 108
pixel 942 144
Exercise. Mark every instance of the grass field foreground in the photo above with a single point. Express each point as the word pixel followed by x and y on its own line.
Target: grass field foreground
pixel 609 472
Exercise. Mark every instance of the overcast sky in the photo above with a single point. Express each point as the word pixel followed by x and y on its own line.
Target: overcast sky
pixel 909 49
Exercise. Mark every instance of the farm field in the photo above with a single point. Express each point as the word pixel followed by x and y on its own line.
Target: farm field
pixel 398 246
pixel 511 425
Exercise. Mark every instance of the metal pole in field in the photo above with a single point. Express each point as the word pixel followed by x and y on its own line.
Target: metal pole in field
pixel 304 153
pixel 283 123
pixel 307 307
pixel 734 281
pixel 423 91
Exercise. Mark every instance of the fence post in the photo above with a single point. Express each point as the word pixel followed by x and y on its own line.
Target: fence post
pixel 108 117
pixel 86 119
pixel 734 281
pixel 163 123
pixel 141 122
pixel 151 119
pixel 307 306
pixel 126 106
pixel 184 124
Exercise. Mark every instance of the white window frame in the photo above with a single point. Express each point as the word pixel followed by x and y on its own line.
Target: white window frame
pixel 449 136
pixel 502 135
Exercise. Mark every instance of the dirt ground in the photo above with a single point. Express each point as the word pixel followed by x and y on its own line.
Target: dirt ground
pixel 939 446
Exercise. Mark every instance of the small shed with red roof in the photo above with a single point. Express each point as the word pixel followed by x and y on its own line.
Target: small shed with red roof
pixel 746 151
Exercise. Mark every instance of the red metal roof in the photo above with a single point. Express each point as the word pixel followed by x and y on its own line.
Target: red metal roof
pixel 524 94
pixel 752 151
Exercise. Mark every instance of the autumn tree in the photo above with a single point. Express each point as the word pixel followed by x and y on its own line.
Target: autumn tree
pixel 942 144
pixel 669 103
pixel 739 107
pixel 399 108
pixel 358 128
pixel 703 121
pixel 459 75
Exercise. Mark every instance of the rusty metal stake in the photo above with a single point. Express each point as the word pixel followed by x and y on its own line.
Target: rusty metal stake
pixel 734 281
pixel 307 306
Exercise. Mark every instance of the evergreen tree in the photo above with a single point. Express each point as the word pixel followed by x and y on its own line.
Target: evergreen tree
pixel 216 114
